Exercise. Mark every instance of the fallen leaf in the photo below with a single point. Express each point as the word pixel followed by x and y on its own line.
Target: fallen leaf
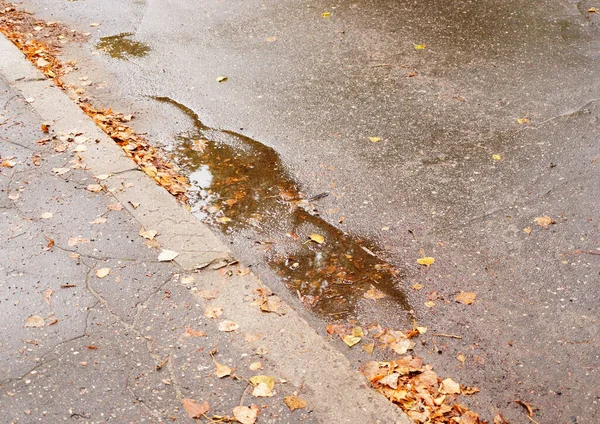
pixel 375 139
pixel 593 10
pixel 14 196
pixel 213 312
pixel 496 157
pixel 351 340
pixel 263 379
pixel 48 295
pixel 429 304
pixel 148 234
pixel 102 272
pixel 60 171
pixel 222 370
pixel 223 219
pixel 208 294
pixel 102 177
pixel 544 221
pixel 417 286
pixel 193 333
pixel 420 46
pixel 80 148
pixel 271 39
pixel 195 409
pixel 34 321
pixel 221 79
pixel 74 241
pixel 357 332
pixel 46 215
pixel 527 230
pixel 426 261
pixel 526 406
pixel 462 358
pixel 96 221
pixel 271 304
pixel 325 14
pixel 228 326
pixel 466 298
pixel 262 390
pixel 374 294
pixel 369 347
pixel 449 387
pixel 402 346
pixel 45 127
pixel 255 366
pixel 9 163
pixel 246 415
pixel 167 255
pixel 390 380
pixel 50 244
pixel 115 207
pixel 94 24
pixel 94 188
pixel 523 120
pixel 294 402
pixel 317 238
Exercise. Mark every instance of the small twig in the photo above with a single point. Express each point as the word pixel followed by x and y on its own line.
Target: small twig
pixel 381 65
pixel 452 336
pixel 532 419
pixel 589 252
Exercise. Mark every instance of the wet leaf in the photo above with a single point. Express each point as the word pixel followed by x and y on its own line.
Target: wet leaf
pixel 426 261
pixel 351 340
pixel 294 402
pixel 317 238
pixel 375 139
pixel 449 387
pixel 35 321
pixel 228 326
pixel 420 46
pixel 246 415
pixel 167 255
pixel 221 79
pixel 195 409
pixel 544 221
pixel 223 219
pixel 94 188
pixel 374 294
pixel 222 370
pixel 466 298
pixel 102 272
pixel 262 390
pixel 148 234
pixel 268 380
pixel 46 215
pixel 213 312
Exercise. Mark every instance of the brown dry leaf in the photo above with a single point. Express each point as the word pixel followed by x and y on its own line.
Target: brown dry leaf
pixel 466 298
pixel 148 234
pixel 262 390
pixel 228 326
pixel 526 406
pixel 271 304
pixel 34 321
pixel 246 415
pixel 213 312
pixel 102 272
pixel 8 163
pixel 449 387
pixel 222 370
pixel 94 188
pixel 544 221
pixel 499 419
pixel 527 230
pixel 195 409
pixel 208 294
pixel 193 333
pixel 50 244
pixel 294 402
pixel 426 261
pixel 374 294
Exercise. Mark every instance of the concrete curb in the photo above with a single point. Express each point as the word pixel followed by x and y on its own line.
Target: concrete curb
pixel 334 390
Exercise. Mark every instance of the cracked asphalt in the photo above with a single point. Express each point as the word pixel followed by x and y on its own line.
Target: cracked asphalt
pixel 127 347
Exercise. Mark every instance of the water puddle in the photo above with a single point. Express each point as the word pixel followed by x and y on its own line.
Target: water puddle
pixel 121 46
pixel 241 186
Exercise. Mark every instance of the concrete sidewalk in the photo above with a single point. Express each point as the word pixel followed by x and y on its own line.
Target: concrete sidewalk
pixel 95 328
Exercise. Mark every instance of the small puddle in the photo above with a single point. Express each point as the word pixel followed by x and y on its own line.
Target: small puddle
pixel 121 46
pixel 241 186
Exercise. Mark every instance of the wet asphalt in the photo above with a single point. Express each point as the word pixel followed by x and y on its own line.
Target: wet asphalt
pixel 316 88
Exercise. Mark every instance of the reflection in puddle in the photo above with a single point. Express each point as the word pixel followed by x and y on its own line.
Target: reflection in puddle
pixel 241 185
pixel 121 46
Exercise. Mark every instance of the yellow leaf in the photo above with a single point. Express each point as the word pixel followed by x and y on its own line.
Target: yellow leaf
pixel 544 221
pixel 417 286
pixel 462 358
pixel 102 272
pixel 593 10
pixel 357 332
pixel 422 330
pixel 221 79
pixel 317 238
pixel 420 46
pixel 497 157
pixel 426 261
pixel 325 14
pixel 222 370
pixel 264 379
pixel 523 120
pixel 430 304
pixel 375 139
pixel 351 340
pixel 223 219
pixel 466 298
pixel 294 402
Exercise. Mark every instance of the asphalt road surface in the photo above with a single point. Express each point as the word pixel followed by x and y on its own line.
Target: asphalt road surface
pixel 488 115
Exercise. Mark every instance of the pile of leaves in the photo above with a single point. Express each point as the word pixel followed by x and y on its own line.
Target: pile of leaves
pixel 418 390
pixel 40 41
